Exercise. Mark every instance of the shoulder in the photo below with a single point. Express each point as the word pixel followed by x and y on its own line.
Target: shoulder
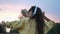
pixel 25 19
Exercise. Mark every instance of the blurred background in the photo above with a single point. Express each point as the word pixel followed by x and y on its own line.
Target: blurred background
pixel 10 9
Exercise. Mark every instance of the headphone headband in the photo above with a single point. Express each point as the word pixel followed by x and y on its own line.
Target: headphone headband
pixel 35 11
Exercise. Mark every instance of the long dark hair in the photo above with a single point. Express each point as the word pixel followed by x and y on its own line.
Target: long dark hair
pixel 39 19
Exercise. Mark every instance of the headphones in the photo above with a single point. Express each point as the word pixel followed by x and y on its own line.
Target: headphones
pixel 35 10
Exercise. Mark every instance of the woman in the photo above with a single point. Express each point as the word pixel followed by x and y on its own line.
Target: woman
pixel 33 24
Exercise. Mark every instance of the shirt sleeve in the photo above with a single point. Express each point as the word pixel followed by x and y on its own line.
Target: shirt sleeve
pixel 11 24
pixel 48 26
pixel 19 24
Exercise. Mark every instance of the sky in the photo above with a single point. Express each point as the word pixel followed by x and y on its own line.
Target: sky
pixel 10 9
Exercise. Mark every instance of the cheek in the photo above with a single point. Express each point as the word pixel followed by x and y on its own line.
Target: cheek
pixel 30 13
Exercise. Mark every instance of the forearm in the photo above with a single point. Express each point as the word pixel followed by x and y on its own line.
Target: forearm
pixel 47 19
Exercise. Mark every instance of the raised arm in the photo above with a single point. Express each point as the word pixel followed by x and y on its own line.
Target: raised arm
pixel 46 18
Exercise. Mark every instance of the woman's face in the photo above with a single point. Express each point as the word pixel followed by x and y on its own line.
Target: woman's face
pixel 30 14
